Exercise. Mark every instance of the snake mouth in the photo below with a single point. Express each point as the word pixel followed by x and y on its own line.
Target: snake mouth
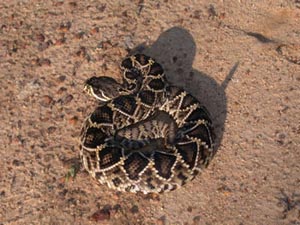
pixel 90 91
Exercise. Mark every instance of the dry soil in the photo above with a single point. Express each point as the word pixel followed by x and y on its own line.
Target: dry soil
pixel 240 58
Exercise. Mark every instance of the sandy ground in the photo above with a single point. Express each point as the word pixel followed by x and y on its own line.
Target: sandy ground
pixel 240 58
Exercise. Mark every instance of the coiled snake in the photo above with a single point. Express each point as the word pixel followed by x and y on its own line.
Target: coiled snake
pixel 145 135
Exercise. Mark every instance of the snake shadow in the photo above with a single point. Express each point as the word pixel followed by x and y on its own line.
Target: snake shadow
pixel 175 50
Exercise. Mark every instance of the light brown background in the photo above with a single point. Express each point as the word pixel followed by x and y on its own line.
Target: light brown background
pixel 223 52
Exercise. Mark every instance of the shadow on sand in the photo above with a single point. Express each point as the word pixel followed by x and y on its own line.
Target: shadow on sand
pixel 175 50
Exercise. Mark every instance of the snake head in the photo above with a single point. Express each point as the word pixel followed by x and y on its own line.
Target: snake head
pixel 102 88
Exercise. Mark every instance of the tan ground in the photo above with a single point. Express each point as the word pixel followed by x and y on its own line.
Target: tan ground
pixel 240 58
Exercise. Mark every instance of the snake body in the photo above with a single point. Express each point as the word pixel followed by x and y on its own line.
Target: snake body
pixel 145 135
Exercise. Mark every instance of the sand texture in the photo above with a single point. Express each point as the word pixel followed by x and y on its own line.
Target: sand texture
pixel 240 58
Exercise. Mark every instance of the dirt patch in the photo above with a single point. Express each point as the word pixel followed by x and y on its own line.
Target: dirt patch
pixel 239 58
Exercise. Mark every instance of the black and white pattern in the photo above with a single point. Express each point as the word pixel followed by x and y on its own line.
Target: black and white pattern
pixel 145 135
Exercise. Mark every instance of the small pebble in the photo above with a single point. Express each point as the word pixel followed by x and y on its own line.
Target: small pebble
pixel 16 162
pixel 73 4
pixel 81 109
pixel 61 90
pixel 63 193
pixel 134 209
pixel 3 27
pixel 224 188
pixel 94 30
pixel 196 220
pixel 101 215
pixel 281 138
pixel 117 207
pixel 72 202
pixel 48 157
pixel 46 101
pixel 129 42
pixel 43 46
pixel 51 129
pixel 81 52
pixel 152 196
pixel 174 59
pixel 43 62
pixel 67 99
pixel 65 27
pixel 73 121
pixel 58 3
pixel 161 221
pixel 40 37
pixel 19 124
pixel 101 7
pixel 104 45
pixel 61 78
pixel 197 14
pixel 79 35
pixel 60 41
pixel 33 134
